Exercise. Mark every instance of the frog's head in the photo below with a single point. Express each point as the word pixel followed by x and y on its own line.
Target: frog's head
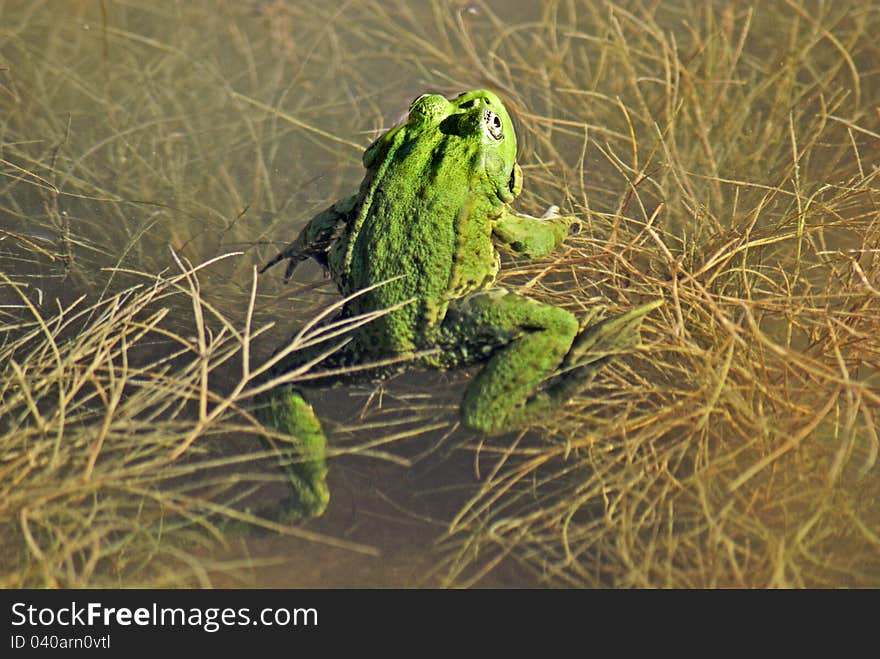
pixel 480 117
pixel 472 131
pixel 487 138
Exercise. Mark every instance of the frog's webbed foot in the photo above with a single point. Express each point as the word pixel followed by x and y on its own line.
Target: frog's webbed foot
pixel 597 344
pixel 314 241
pixel 295 254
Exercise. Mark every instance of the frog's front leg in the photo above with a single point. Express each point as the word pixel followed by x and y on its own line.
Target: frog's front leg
pixel 539 359
pixel 532 236
pixel 315 238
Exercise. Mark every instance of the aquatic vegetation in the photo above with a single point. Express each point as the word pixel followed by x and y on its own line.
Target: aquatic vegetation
pixel 728 159
pixel 722 156
pixel 122 458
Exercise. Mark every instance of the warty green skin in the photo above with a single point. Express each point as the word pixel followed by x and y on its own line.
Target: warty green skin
pixel 422 232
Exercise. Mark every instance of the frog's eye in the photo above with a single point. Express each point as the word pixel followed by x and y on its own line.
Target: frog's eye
pixel 416 100
pixel 493 125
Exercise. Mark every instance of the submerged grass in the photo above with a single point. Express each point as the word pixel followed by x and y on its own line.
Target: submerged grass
pixel 723 154
pixel 728 163
pixel 123 458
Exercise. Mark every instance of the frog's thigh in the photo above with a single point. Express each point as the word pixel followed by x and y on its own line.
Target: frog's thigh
pixel 532 339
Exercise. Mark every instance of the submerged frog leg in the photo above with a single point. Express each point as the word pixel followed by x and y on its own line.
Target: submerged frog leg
pixel 305 464
pixel 315 239
pixel 303 453
pixel 539 360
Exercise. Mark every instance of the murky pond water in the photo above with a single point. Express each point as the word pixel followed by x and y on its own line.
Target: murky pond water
pixel 211 128
pixel 722 154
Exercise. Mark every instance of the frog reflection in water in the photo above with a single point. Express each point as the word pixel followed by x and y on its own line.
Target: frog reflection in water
pixel 422 232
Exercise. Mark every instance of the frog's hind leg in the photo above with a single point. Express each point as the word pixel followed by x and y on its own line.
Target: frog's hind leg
pixel 286 410
pixel 527 341
pixel 540 359
pixel 299 442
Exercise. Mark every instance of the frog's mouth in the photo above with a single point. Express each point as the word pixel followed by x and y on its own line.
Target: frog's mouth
pixel 508 191
pixel 515 182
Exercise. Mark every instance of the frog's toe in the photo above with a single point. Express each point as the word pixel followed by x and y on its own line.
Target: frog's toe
pixel 293 256
pixel 311 501
pixel 551 212
pixel 593 317
pixel 293 260
pixel 573 222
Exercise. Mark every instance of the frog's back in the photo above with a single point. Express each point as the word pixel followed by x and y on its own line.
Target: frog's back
pixel 416 216
pixel 421 231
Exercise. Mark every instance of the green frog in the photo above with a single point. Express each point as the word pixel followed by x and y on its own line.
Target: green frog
pixel 419 241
